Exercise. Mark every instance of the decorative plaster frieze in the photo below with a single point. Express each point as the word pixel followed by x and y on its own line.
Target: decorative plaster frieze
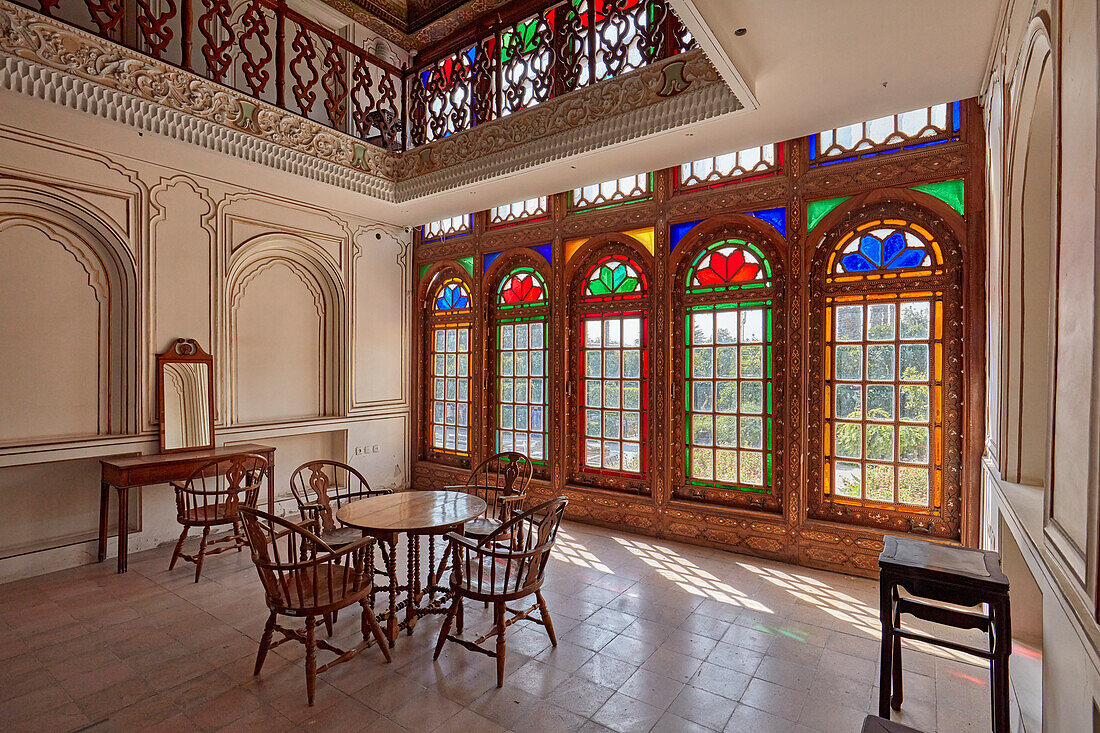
pixel 49 60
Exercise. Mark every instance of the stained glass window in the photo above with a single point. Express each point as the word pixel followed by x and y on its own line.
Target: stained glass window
pixel 922 126
pixel 520 364
pixel 743 164
pixel 526 57
pixel 885 249
pixel 519 211
pixel 884 372
pixel 627 188
pixel 446 227
pixel 613 365
pixel 728 390
pixel 449 333
pixel 445 94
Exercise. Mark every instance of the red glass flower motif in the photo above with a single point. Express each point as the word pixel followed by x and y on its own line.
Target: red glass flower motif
pixel 731 268
pixel 521 289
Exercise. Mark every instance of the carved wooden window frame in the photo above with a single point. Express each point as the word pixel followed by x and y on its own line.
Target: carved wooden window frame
pixel 492 280
pixel 945 285
pixel 431 320
pixel 702 237
pixel 739 171
pixel 578 269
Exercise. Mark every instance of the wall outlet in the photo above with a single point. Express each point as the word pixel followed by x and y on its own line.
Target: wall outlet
pixel 359 450
pixel 374 448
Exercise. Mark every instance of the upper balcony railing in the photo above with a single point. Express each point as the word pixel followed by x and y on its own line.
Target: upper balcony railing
pixel 261 48
pixel 268 51
pixel 559 49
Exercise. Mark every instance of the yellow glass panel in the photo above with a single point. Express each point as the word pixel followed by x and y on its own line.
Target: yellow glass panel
pixel 939 361
pixel 868 225
pixel 895 222
pixel 571 247
pixel 920 230
pixel 939 319
pixel 645 236
pixel 828 489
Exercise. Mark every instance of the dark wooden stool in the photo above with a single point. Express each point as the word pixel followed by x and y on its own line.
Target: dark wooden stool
pixel 944 574
pixel 875 724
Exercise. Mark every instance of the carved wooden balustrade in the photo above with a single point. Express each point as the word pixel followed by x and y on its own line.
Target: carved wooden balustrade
pixel 258 47
pixel 564 47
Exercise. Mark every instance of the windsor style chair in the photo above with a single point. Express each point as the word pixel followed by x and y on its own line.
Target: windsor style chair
pixel 501 481
pixel 305 578
pixel 211 498
pixel 321 488
pixel 507 565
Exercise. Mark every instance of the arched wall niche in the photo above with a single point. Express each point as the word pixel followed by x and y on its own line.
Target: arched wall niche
pixel 1028 269
pixel 74 372
pixel 773 247
pixel 948 517
pixel 285 329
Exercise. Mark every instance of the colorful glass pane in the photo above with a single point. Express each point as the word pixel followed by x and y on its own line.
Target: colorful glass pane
pixel 520 287
pixel 452 295
pixel 614 277
pixel 885 357
pixel 449 419
pixel 883 249
pixel 613 393
pixel 728 395
pixel 520 368
pixel 729 265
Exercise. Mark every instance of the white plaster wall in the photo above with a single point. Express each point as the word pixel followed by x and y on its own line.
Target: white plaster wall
pixel 272 273
pixel 1053 521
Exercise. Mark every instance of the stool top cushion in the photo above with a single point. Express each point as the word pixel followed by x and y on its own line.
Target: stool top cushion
pixel 875 724
pixel 908 553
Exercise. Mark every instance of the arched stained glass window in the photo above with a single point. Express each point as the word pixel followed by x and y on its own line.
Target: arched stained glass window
pixel 883 400
pixel 452 295
pixel 613 368
pixel 449 334
pixel 614 277
pixel 885 248
pixel 521 287
pixel 728 368
pixel 731 265
pixel 520 364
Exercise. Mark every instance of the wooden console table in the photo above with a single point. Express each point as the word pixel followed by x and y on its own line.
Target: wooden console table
pixel 136 471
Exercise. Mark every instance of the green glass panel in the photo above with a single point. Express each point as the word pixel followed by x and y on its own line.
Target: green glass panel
pixel 817 210
pixel 467 263
pixel 953 193
pixel 424 268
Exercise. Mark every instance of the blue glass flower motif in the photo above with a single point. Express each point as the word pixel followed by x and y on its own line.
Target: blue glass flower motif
pixel 892 253
pixel 451 297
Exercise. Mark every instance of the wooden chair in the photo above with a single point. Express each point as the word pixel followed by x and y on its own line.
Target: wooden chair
pixel 211 497
pixel 320 488
pixel 507 565
pixel 500 480
pixel 305 578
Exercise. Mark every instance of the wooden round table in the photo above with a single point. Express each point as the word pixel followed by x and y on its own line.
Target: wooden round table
pixel 412 513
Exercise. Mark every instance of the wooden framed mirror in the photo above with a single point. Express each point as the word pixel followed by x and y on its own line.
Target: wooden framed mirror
pixel 185 397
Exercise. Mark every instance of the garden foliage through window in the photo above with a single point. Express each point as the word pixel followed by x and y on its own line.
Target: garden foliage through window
pixel 520 364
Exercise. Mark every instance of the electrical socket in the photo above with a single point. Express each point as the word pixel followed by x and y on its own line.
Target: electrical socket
pixel 359 450
pixel 374 448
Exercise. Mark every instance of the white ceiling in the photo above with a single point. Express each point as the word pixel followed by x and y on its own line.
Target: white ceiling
pixel 812 65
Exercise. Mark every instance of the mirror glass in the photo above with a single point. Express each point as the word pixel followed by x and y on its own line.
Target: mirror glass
pixel 186 397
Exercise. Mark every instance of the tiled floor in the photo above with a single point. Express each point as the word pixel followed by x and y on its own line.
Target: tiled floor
pixel 652 636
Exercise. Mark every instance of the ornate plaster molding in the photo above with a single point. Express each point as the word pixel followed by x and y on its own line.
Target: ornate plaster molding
pixel 49 60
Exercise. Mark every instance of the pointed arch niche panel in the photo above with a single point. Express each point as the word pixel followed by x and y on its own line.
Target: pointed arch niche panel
pixel 286 332
pixel 67 321
pixel 686 348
